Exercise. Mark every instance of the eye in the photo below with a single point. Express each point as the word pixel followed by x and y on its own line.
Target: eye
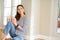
pixel 18 9
pixel 21 8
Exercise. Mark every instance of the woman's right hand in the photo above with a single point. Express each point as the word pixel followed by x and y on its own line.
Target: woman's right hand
pixel 14 21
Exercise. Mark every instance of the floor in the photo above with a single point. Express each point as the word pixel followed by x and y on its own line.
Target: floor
pixel 39 39
pixel 1 31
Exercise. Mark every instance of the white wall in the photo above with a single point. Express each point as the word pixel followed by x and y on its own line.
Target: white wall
pixel 35 16
pixel 45 11
pixel 54 15
pixel 32 8
pixel 1 11
pixel 41 14
pixel 27 7
pixel 44 16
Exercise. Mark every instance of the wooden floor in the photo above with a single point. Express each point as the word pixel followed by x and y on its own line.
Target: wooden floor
pixel 1 31
pixel 39 39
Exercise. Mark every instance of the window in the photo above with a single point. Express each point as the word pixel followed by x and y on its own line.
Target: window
pixel 58 28
pixel 10 9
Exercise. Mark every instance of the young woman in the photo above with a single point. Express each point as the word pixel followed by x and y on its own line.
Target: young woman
pixel 16 27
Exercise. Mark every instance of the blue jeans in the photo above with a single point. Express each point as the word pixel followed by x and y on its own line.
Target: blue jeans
pixel 10 28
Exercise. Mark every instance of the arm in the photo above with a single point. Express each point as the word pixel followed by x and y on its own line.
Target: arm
pixel 20 28
pixel 14 21
pixel 26 25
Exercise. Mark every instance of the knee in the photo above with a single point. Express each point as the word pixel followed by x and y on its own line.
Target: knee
pixel 9 22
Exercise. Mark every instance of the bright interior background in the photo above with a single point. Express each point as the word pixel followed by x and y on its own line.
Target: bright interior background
pixel 42 15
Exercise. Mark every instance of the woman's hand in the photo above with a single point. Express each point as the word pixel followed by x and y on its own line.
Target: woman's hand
pixel 14 21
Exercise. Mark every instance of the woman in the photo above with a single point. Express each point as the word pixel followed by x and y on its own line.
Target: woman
pixel 16 28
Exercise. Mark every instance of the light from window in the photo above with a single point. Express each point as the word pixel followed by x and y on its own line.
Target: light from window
pixel 10 9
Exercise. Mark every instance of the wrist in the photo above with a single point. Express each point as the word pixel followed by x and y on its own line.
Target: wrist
pixel 17 25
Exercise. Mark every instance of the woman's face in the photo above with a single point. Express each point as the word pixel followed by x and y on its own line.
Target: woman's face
pixel 20 10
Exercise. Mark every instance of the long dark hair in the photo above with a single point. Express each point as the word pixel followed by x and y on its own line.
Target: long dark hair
pixel 17 16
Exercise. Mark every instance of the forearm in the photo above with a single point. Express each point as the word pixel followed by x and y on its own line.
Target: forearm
pixel 19 27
